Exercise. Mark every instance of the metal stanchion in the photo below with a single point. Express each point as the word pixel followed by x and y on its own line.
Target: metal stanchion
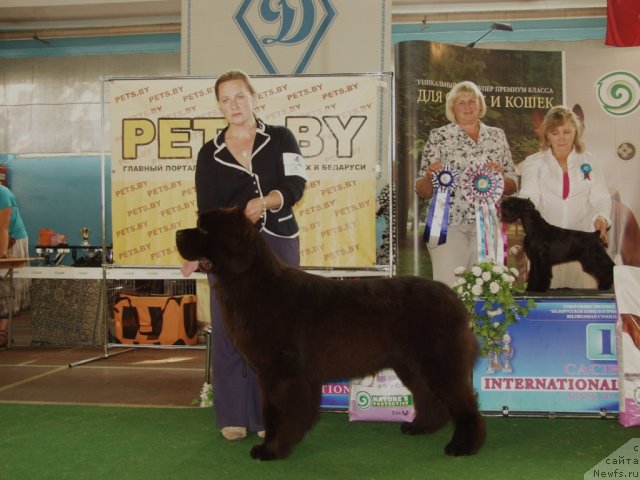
pixel 207 365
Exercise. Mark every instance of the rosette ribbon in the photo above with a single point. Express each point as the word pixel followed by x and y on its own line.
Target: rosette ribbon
pixel 585 168
pixel 437 222
pixel 483 187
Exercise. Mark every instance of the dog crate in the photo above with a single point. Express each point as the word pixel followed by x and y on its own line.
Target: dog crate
pixel 152 312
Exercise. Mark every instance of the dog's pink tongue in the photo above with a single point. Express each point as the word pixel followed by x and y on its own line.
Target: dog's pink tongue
pixel 188 268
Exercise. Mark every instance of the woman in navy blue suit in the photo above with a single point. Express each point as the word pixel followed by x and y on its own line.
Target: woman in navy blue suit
pixel 259 168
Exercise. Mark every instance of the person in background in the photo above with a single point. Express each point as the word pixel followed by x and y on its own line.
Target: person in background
pixel 459 144
pixel 258 167
pixel 567 188
pixel 14 243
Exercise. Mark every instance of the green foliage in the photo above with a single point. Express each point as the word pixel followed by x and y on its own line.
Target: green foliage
pixel 493 286
pixel 522 148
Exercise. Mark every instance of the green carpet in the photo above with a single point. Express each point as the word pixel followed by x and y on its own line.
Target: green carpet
pixel 79 442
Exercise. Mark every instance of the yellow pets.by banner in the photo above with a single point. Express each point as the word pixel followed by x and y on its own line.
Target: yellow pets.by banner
pixel 159 125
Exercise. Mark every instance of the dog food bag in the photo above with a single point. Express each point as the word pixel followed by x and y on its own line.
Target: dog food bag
pixel 627 286
pixel 381 398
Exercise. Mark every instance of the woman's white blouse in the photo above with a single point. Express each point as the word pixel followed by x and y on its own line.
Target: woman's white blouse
pixel 588 194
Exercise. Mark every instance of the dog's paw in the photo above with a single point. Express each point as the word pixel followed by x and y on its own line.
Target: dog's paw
pixel 411 428
pixel 456 449
pixel 261 452
pixel 426 425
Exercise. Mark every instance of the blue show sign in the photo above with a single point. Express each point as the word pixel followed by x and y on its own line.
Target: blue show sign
pixel 561 359
pixel 335 396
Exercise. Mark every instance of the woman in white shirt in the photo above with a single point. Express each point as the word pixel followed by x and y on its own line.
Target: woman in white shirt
pixel 567 188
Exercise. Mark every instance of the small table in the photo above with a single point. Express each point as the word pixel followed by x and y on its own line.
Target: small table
pixel 7 263
pixel 53 255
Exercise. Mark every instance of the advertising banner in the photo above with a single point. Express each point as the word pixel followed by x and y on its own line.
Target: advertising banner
pixel 380 397
pixel 159 125
pixel 335 396
pixel 519 87
pixel 561 359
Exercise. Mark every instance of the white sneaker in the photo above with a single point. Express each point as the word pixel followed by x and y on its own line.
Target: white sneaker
pixel 234 433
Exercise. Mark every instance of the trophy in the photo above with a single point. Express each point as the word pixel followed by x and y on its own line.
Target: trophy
pixel 85 231
pixel 507 353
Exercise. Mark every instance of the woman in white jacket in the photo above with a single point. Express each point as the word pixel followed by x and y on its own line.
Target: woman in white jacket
pixel 567 188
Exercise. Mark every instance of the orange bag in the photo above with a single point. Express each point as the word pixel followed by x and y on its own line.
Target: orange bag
pixel 156 319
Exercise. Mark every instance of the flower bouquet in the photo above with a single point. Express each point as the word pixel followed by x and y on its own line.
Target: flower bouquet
pixel 487 290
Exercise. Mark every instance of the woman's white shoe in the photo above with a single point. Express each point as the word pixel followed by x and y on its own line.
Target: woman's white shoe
pixel 234 433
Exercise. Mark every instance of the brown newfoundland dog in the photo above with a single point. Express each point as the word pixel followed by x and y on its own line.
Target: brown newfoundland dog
pixel 299 330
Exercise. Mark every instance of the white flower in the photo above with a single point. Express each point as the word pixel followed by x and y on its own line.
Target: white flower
pixel 206 395
pixel 515 272
pixel 498 269
pixel 494 287
pixel 476 290
pixel 476 270
pixel 459 270
pixel 479 281
pixel 507 278
pixel 486 276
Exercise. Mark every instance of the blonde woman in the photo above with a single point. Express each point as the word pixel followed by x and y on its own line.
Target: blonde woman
pixel 567 188
pixel 463 142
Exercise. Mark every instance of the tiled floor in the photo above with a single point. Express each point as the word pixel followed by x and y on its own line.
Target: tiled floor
pixel 120 376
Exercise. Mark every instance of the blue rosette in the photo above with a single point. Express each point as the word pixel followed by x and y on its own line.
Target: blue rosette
pixel 483 187
pixel 437 222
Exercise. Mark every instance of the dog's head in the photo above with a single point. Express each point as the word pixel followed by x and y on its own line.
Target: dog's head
pixel 513 208
pixel 223 242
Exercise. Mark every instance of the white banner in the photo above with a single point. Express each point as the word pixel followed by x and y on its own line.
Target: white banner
pixel 603 87
pixel 296 36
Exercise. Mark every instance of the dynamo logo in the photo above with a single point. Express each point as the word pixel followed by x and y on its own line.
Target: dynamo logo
pixel 619 93
pixel 284 29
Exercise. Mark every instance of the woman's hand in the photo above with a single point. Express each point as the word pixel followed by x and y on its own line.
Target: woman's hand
pixel 496 167
pixel 255 209
pixel 424 186
pixel 510 186
pixel 433 168
pixel 600 224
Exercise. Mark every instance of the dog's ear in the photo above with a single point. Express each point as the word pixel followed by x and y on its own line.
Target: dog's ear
pixel 529 204
pixel 230 240
pixel 524 203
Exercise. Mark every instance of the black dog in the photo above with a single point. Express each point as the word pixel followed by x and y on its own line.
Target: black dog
pixel 299 330
pixel 547 245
